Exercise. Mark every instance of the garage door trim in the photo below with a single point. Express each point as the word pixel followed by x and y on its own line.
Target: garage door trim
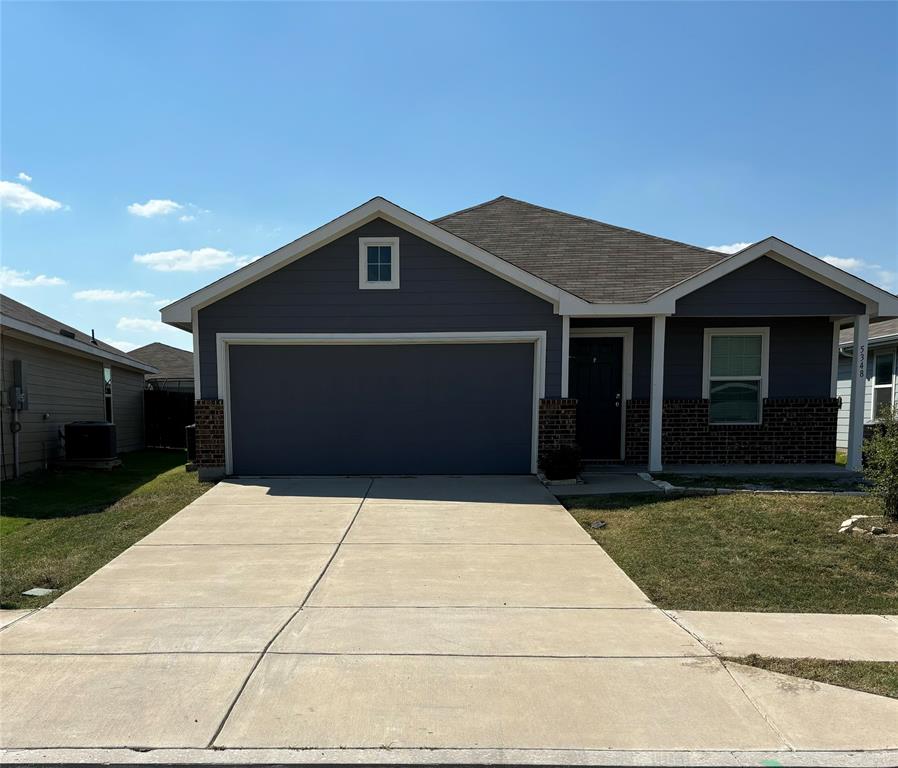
pixel 223 341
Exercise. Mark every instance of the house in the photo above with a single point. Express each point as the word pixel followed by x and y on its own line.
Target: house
pixel 385 343
pixel 65 375
pixel 881 379
pixel 174 367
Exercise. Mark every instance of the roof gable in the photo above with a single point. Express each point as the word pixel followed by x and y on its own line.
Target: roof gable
pixel 172 362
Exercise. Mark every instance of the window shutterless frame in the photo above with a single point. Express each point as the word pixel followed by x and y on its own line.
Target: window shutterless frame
pixel 393 244
pixel 763 379
pixel 886 388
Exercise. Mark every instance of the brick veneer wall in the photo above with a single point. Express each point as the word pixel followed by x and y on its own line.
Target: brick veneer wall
pixel 794 430
pixel 557 425
pixel 210 439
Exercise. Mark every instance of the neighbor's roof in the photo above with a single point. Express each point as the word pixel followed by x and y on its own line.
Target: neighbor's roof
pixel 22 318
pixel 884 329
pixel 173 363
pixel 597 262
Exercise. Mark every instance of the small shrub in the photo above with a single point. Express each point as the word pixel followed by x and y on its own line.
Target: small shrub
pixel 562 463
pixel 881 462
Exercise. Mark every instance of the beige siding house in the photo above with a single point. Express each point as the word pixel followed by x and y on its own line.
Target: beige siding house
pixel 65 379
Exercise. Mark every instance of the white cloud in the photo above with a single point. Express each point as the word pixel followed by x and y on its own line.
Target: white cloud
pixel 22 176
pixel 845 263
pixel 142 324
pixel 731 248
pixel 125 346
pixel 186 217
pixel 105 294
pixel 887 279
pixel 182 260
pixel 244 260
pixel 162 302
pixel 21 199
pixel 154 208
pixel 13 278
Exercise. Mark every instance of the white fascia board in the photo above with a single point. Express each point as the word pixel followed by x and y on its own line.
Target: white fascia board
pixel 75 346
pixel 179 313
pixel 877 301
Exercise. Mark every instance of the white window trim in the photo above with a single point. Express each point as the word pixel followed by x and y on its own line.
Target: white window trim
pixel 223 341
pixel 764 333
pixel 891 385
pixel 111 396
pixel 626 373
pixel 364 284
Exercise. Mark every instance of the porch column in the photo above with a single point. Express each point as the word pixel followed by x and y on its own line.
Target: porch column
pixel 858 392
pixel 656 404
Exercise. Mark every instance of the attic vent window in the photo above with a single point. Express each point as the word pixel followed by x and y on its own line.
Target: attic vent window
pixel 378 262
pixel 67 333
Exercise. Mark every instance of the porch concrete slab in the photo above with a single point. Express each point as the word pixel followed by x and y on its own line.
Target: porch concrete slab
pixel 602 483
pixel 817 716
pixel 409 575
pixel 794 635
pixel 146 630
pixel 208 576
pixel 525 703
pixel 10 616
pixel 254 524
pixel 501 489
pixel 601 632
pixel 439 523
pixel 157 700
pixel 288 490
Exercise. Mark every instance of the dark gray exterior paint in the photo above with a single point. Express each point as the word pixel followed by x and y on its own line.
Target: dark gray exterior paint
pixel 320 294
pixel 370 409
pixel 766 288
pixel 800 355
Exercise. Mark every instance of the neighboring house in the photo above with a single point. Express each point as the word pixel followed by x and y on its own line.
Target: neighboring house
pixel 174 367
pixel 68 376
pixel 881 374
pixel 475 343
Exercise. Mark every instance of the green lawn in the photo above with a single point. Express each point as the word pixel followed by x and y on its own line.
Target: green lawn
pixel 746 552
pixel 58 527
pixel 880 677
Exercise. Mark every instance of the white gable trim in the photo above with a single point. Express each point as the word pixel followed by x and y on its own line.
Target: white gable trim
pixel 877 301
pixel 179 313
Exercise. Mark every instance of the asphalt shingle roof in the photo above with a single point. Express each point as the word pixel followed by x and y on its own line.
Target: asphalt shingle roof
pixel 598 262
pixel 173 363
pixel 878 330
pixel 25 314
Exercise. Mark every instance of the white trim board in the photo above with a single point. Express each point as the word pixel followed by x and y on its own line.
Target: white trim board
pixel 764 333
pixel 538 338
pixel 625 333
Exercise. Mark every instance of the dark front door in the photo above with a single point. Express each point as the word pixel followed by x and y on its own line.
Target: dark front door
pixel 596 380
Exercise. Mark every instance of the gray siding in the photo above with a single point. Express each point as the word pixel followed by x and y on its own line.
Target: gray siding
pixel 800 355
pixel 844 391
pixel 65 387
pixel 320 294
pixel 766 288
pixel 127 408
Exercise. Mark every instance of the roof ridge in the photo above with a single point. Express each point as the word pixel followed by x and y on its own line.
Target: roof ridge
pixel 611 226
pixel 473 208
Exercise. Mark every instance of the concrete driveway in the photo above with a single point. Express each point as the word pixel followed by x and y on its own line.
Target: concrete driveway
pixel 387 614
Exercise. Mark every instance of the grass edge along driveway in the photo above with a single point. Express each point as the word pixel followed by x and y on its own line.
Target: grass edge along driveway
pixel 746 552
pixel 60 526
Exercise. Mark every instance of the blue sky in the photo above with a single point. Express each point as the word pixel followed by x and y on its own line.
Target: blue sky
pixel 250 124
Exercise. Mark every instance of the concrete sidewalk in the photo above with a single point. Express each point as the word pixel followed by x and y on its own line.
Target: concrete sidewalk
pixel 794 635
pixel 390 616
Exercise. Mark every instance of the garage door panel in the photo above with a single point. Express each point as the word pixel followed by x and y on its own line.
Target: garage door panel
pixel 381 409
